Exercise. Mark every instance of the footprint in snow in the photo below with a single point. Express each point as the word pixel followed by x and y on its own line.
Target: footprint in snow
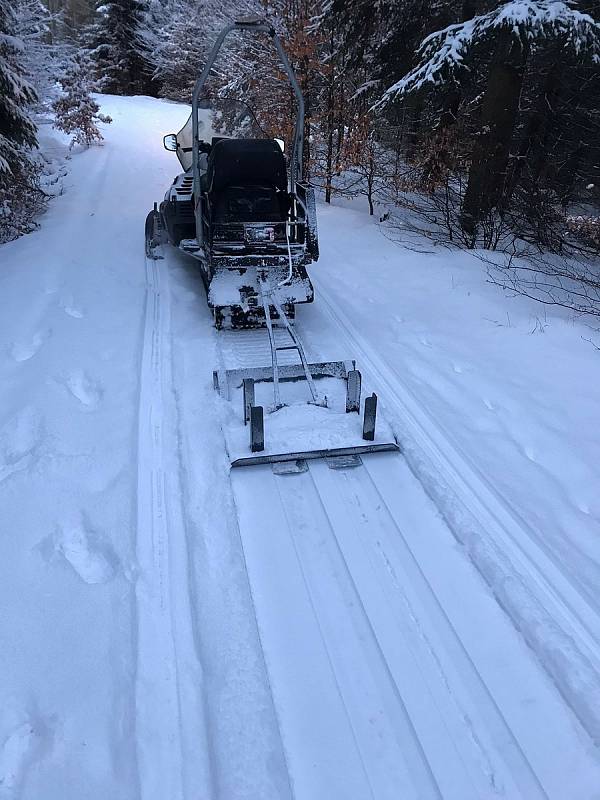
pixel 461 368
pixel 86 390
pixel 70 307
pixel 21 439
pixel 23 351
pixel 91 558
pixel 73 311
pixel 18 750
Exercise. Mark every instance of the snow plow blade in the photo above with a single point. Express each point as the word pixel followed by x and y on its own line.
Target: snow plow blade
pixel 258 431
pixel 278 458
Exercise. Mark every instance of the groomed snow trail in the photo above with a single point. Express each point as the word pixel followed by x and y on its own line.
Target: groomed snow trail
pixel 196 633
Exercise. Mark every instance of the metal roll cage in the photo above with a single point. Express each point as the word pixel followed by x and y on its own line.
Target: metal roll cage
pixel 254 25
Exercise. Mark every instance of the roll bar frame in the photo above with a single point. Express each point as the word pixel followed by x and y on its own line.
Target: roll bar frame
pixel 254 25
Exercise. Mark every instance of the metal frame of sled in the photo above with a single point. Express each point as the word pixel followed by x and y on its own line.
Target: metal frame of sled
pixel 227 381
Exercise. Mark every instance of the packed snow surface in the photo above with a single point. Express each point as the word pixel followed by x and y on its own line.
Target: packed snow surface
pixel 423 625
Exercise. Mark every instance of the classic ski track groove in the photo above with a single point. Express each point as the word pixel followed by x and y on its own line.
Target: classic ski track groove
pixel 547 583
pixel 358 485
pixel 169 719
pixel 428 785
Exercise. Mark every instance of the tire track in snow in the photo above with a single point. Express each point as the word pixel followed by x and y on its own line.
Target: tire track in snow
pixel 171 742
pixel 555 619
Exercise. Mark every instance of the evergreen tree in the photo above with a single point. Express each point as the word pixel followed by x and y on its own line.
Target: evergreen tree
pixel 498 45
pixel 178 44
pixel 76 111
pixel 119 52
pixel 19 193
pixel 44 55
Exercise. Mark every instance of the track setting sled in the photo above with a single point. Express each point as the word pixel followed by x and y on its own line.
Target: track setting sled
pixel 250 221
pixel 290 412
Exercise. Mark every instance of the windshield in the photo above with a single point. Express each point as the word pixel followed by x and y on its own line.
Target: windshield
pixel 218 118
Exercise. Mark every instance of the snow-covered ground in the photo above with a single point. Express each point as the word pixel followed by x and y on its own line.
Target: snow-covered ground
pixel 423 625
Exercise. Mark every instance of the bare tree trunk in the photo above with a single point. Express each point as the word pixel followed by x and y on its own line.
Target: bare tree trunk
pixel 370 184
pixel 498 116
pixel 330 112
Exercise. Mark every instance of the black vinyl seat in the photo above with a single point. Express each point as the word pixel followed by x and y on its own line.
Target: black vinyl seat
pixel 246 181
pixel 250 204
pixel 246 162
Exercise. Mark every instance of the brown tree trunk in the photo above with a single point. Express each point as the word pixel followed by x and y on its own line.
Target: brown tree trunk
pixel 370 184
pixel 498 116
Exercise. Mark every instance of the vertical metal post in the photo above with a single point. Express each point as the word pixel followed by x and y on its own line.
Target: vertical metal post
pixel 353 387
pixel 257 429
pixel 296 161
pixel 369 420
pixel 248 398
pixel 195 144
pixel 265 294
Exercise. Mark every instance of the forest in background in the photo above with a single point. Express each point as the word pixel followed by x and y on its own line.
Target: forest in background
pixel 474 122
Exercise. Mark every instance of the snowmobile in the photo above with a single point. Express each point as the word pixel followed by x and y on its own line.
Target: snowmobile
pixel 236 209
pixel 250 221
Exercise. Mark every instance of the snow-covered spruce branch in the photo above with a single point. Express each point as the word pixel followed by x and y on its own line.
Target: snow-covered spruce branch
pixel 443 55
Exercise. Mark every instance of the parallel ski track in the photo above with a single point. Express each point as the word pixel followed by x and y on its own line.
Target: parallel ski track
pixel 169 681
pixel 375 556
pixel 546 602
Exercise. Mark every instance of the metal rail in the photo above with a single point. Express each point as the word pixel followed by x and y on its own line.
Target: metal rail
pixel 268 299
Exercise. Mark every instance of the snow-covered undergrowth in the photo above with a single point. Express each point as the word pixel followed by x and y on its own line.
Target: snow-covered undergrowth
pixel 53 156
pixel 50 161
